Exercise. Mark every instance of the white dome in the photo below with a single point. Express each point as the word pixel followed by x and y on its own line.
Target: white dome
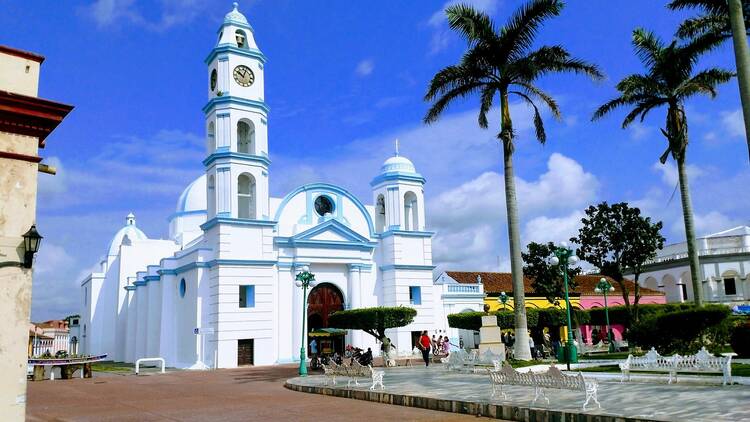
pixel 128 233
pixel 193 198
pixel 235 16
pixel 399 164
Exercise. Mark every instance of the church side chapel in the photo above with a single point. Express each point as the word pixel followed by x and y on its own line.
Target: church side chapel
pixel 220 291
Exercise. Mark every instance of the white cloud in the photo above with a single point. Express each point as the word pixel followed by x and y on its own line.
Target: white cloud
pixel 734 123
pixel 639 131
pixel 669 174
pixel 52 258
pixel 544 229
pixel 170 13
pixel 364 67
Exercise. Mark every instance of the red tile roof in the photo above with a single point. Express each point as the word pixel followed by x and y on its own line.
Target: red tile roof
pixel 494 283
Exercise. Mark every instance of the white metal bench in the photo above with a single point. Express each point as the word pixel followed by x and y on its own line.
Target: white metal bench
pixel 553 378
pixel 460 359
pixel 141 360
pixel 353 372
pixel 702 361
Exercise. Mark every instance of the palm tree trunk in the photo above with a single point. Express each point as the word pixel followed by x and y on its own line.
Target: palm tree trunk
pixel 687 213
pixel 742 58
pixel 521 348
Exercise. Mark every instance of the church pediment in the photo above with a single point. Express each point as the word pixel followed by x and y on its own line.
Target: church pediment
pixel 329 234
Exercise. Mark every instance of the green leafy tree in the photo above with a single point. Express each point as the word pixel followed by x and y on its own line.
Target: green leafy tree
pixel 374 321
pixel 546 279
pixel 501 63
pixel 615 238
pixel 725 19
pixel 669 81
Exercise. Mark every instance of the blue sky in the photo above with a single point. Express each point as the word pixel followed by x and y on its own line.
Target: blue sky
pixel 343 80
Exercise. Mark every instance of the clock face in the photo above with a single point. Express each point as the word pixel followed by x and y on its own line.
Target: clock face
pixel 243 75
pixel 213 79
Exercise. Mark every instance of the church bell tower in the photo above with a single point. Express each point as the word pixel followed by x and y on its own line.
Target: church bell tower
pixel 236 124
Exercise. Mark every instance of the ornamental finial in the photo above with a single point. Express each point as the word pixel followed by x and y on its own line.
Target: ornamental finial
pixel 235 5
pixel 396 147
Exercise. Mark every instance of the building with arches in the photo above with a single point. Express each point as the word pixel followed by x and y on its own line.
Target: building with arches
pixel 724 265
pixel 220 291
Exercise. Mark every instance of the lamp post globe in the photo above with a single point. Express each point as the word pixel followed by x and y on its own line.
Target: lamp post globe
pixel 304 279
pixel 555 261
pixel 605 286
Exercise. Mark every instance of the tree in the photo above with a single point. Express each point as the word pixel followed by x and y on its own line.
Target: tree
pixel 374 321
pixel 501 63
pixel 546 279
pixel 725 19
pixel 669 81
pixel 615 238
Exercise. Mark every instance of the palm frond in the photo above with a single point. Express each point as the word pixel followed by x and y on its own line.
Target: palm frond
pixel 648 47
pixel 642 110
pixel 533 91
pixel 637 84
pixel 708 6
pixel 518 34
pixel 548 59
pixel 439 106
pixel 541 134
pixel 689 53
pixel 474 25
pixel 611 105
pixel 448 79
pixel 704 82
pixel 705 24
pixel 488 93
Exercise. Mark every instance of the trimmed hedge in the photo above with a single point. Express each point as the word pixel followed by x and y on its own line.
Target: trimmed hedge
pixel 683 331
pixel 535 318
pixel 740 340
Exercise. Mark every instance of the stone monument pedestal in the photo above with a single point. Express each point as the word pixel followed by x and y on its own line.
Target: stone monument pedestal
pixel 491 346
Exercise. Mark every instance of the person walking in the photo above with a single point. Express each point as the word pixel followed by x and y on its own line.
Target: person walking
pixel 424 344
pixel 531 346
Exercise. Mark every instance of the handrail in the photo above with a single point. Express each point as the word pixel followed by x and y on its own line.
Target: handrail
pixel 138 363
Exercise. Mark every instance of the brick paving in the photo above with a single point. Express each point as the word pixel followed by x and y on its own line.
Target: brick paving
pixel 644 398
pixel 242 394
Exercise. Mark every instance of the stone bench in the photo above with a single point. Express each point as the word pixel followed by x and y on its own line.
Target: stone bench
pixel 552 379
pixel 701 362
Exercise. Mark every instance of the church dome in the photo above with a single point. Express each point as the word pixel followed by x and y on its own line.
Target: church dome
pixel 193 198
pixel 399 164
pixel 235 16
pixel 125 235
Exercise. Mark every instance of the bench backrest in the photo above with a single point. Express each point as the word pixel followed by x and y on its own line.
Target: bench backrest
pixel 702 360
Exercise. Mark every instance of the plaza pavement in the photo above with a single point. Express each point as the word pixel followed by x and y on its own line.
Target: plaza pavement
pixel 646 397
pixel 244 394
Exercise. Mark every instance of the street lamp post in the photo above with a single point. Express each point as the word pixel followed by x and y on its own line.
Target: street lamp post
pixel 503 298
pixel 605 286
pixel 563 257
pixel 304 279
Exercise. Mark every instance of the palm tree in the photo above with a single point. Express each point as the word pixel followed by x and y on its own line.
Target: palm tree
pixel 501 63
pixel 669 81
pixel 725 19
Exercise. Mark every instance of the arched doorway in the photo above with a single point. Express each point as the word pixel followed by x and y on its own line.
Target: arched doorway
pixel 324 299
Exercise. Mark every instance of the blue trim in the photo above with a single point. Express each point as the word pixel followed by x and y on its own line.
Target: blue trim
pixel 184 213
pixel 263 121
pixel 333 226
pixel 130 288
pixel 222 149
pixel 242 262
pixel 329 188
pixel 396 232
pixel 236 222
pixel 407 267
pixel 358 266
pixel 230 99
pixel 229 48
pixel 353 240
pixel 236 156
pixel 151 278
pixel 415 295
pixel 397 176
pixel 139 283
pixel 288 242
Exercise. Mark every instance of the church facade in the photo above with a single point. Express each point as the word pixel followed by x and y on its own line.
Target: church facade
pixel 220 291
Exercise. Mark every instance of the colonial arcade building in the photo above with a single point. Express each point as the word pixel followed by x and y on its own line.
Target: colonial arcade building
pixel 220 291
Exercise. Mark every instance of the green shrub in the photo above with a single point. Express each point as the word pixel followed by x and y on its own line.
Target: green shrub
pixel 740 340
pixel 619 314
pixel 505 319
pixel 683 331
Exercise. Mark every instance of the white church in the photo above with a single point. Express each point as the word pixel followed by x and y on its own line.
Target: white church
pixel 220 291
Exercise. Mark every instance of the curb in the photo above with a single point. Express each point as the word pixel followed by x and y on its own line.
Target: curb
pixel 497 411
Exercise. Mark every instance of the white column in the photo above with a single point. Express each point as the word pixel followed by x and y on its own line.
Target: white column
pixel 355 297
pixel 286 292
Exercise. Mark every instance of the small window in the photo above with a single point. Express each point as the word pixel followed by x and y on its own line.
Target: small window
pixel 75 322
pixel 323 205
pixel 730 288
pixel 415 295
pixel 183 287
pixel 247 296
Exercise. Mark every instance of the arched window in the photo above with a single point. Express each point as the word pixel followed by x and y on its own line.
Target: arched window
pixel 246 196
pixel 246 137
pixel 211 138
pixel 239 36
pixel 380 214
pixel 411 212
